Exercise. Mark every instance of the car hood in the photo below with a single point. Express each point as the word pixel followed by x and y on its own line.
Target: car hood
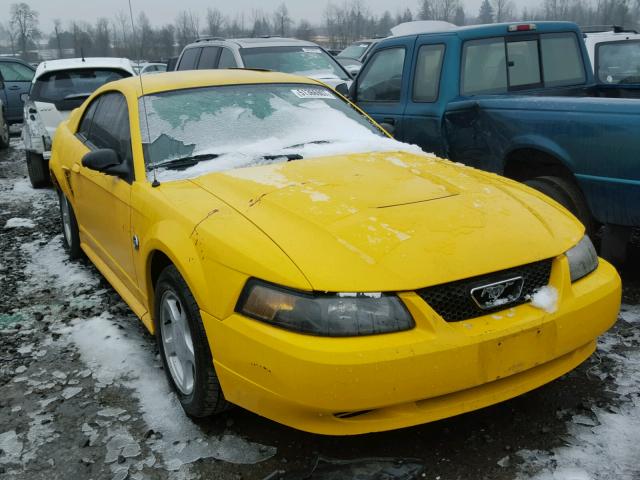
pixel 50 116
pixel 394 221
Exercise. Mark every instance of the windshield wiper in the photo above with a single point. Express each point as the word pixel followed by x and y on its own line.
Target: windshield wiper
pixel 185 162
pixel 288 156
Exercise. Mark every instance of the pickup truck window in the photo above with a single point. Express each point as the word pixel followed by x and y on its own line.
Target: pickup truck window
pixel 524 63
pixel 382 78
pixel 485 63
pixel 15 72
pixel 561 60
pixel 427 75
pixel 484 67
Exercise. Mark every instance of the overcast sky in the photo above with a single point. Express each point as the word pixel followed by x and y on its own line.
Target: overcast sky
pixel 163 11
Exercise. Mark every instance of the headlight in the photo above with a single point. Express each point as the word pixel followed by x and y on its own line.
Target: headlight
pixel 583 259
pixel 331 315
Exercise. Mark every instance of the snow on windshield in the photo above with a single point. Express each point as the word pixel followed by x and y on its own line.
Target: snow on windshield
pixel 243 124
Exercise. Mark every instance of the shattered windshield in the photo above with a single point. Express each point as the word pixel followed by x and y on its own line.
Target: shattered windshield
pixel 221 128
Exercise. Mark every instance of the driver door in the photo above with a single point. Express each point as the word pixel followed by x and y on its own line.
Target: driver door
pixel 103 202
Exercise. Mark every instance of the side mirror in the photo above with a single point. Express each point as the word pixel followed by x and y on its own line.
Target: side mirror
pixel 343 90
pixel 353 91
pixel 105 160
pixel 24 97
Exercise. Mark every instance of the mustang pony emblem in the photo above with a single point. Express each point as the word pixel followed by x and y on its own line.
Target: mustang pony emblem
pixel 498 293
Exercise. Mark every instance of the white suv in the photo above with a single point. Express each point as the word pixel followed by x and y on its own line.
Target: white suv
pixel 58 87
pixel 287 55
pixel 614 53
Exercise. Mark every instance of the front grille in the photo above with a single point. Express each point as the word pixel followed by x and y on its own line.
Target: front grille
pixel 453 301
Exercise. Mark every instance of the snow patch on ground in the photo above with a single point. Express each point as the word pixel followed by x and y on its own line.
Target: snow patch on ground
pixel 122 356
pixel 49 265
pixel 545 298
pixel 18 222
pixel 605 445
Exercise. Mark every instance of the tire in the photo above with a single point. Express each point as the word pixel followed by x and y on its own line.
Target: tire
pixel 69 224
pixel 567 194
pixel 184 348
pixel 38 170
pixel 4 132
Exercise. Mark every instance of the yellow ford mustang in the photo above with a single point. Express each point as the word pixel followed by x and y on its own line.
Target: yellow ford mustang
pixel 293 259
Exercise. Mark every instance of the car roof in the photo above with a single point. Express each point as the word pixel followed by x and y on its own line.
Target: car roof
pixel 88 62
pixel 180 80
pixel 256 42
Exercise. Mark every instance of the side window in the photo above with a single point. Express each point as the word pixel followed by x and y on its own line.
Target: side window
pixel 110 127
pixel 524 63
pixel 15 72
pixel 226 59
pixel 382 79
pixel 561 60
pixel 87 119
pixel 484 66
pixel 208 58
pixel 189 59
pixel 427 75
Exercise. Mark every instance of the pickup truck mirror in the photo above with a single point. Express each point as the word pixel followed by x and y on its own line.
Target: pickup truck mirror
pixel 105 160
pixel 24 97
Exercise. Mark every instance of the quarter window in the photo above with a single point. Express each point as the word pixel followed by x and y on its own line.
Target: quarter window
pixel 427 76
pixel 382 79
pixel 189 59
pixel 226 59
pixel 87 119
pixel 208 58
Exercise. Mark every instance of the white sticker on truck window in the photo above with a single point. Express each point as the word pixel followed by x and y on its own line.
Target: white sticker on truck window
pixel 312 93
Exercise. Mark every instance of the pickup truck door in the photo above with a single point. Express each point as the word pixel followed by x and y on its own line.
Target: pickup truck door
pixel 422 122
pixel 381 87
pixel 17 80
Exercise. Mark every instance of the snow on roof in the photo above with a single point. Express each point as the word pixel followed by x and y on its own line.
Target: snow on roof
pixel 421 26
pixel 88 62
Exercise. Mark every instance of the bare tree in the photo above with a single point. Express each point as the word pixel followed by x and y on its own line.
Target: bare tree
pixel 282 20
pixel 187 26
pixel 57 30
pixel 503 10
pixel 304 31
pixel 444 10
pixel 25 22
pixel 102 38
pixel 486 12
pixel 215 22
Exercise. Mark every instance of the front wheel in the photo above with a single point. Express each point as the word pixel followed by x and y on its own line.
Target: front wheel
pixel 183 347
pixel 70 232
pixel 38 170
pixel 567 194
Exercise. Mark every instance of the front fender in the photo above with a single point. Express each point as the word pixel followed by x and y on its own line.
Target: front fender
pixel 170 238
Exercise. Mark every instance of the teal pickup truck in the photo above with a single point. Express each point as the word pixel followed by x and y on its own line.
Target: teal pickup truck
pixel 519 100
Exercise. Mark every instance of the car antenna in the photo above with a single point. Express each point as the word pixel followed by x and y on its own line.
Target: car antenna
pixel 82 54
pixel 155 182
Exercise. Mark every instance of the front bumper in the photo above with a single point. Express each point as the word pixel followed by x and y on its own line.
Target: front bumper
pixel 345 386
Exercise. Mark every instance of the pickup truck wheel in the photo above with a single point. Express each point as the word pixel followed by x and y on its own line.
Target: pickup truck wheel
pixel 184 348
pixel 4 132
pixel 70 233
pixel 567 194
pixel 38 170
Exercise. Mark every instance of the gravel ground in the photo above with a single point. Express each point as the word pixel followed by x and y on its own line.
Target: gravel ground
pixel 83 395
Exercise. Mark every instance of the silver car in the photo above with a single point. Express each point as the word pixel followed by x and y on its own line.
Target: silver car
pixel 279 54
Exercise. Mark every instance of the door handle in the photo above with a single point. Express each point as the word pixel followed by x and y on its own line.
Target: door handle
pixel 390 121
pixel 14 87
pixel 75 168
